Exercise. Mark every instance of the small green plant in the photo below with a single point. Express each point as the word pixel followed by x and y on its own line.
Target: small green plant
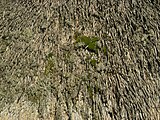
pixel 104 50
pixel 93 62
pixel 49 65
pixel 90 43
pixel 90 91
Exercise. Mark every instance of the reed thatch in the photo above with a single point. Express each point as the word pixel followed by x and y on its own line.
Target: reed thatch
pixel 45 74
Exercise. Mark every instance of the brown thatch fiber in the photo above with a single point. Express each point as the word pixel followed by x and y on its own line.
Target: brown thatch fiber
pixel 46 72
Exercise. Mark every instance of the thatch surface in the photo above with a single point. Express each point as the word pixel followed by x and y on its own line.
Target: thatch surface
pixel 44 75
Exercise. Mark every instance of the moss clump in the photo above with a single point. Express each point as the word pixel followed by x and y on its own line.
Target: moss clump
pixel 89 42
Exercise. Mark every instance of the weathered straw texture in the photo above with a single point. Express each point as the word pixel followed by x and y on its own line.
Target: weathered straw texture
pixel 43 75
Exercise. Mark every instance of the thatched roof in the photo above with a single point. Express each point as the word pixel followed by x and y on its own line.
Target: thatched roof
pixel 49 71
